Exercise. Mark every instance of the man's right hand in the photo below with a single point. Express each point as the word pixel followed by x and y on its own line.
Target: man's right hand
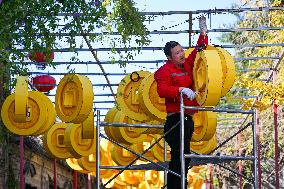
pixel 189 93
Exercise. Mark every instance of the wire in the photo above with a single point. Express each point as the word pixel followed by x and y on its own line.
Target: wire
pixel 187 20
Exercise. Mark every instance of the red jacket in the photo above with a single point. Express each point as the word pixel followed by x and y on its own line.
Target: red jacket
pixel 170 77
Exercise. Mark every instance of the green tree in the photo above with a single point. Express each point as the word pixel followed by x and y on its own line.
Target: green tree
pixel 35 25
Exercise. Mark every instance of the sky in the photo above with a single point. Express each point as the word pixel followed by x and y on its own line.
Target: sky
pixel 157 23
pixel 216 20
pixel 183 5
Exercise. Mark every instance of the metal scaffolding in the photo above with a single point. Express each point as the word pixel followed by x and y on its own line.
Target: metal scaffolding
pixel 197 159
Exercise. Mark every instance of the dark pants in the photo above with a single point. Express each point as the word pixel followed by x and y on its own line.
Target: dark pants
pixel 173 140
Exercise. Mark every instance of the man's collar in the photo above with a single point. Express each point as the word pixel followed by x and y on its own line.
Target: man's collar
pixel 180 66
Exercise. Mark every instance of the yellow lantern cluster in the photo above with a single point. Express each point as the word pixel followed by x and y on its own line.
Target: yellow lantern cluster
pixel 138 99
pixel 197 176
pixel 137 103
pixel 134 138
pixel 75 136
pixel 214 74
pixel 27 112
pixel 32 113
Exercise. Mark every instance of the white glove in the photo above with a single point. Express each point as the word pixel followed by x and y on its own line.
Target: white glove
pixel 189 93
pixel 202 25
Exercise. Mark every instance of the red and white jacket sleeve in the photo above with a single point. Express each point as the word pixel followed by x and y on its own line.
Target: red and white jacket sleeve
pixel 202 40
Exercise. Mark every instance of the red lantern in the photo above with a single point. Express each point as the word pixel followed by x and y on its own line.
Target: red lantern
pixel 44 83
pixel 41 57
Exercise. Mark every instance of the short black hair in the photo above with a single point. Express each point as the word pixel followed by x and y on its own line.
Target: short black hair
pixel 169 45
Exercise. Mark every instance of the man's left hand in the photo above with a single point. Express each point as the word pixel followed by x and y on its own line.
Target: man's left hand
pixel 202 25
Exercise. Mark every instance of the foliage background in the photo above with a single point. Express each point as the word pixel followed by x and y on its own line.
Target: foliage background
pixel 252 85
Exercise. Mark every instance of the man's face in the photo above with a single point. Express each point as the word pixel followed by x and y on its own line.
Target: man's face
pixel 177 55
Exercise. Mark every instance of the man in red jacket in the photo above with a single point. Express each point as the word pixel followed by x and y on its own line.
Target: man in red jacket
pixel 173 78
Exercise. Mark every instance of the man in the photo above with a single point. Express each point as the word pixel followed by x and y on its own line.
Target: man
pixel 173 78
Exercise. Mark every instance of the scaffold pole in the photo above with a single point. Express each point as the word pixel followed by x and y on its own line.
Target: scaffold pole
pixel 89 181
pixel 22 184
pixel 256 162
pixel 75 180
pixel 276 145
pixel 54 175
pixel 182 159
pixel 239 144
pixel 98 150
